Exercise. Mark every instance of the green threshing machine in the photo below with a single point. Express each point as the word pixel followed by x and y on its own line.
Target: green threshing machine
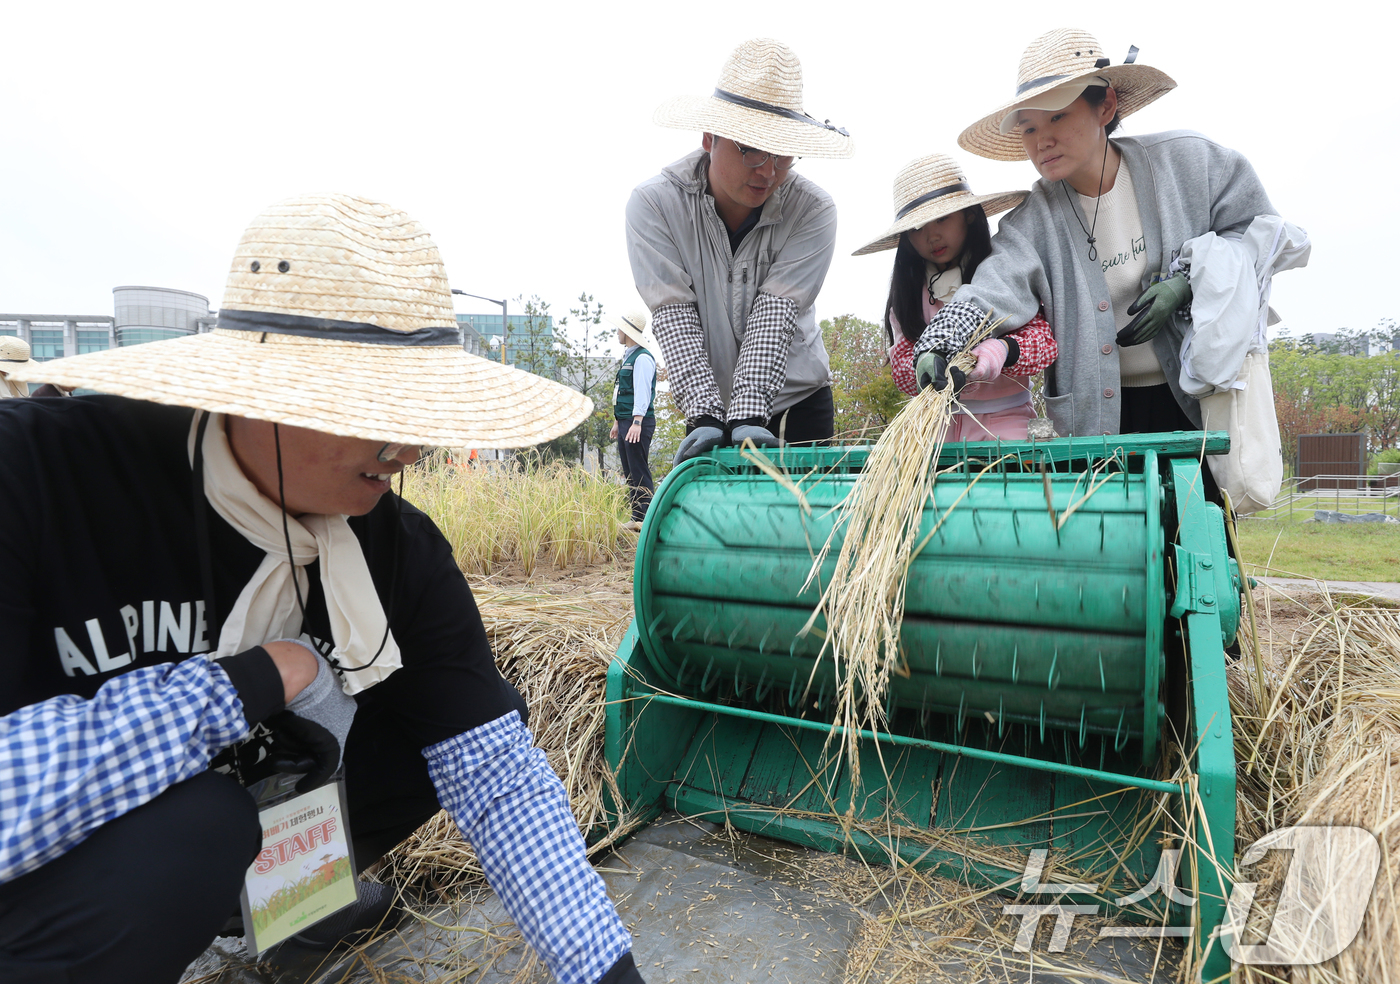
pixel 1066 682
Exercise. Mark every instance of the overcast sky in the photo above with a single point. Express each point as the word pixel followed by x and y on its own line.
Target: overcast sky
pixel 142 137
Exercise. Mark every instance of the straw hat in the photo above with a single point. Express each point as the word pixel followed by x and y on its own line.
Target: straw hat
pixel 929 188
pixel 14 352
pixel 1054 71
pixel 337 317
pixel 633 324
pixel 758 103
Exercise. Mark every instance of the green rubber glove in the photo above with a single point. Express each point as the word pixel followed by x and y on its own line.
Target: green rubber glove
pixel 1152 309
pixel 932 369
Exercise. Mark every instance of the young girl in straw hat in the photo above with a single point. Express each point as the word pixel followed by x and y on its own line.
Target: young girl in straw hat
pixel 1096 238
pixel 940 235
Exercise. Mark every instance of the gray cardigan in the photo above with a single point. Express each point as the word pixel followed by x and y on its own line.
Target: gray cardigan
pixel 1186 186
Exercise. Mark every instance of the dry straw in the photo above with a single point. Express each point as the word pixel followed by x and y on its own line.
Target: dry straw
pixel 863 604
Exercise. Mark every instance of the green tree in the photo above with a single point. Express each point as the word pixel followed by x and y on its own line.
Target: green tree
pixel 862 388
pixel 670 429
pixel 586 366
pixel 1335 388
pixel 531 344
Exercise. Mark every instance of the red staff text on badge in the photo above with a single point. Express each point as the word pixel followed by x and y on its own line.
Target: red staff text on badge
pixel 294 846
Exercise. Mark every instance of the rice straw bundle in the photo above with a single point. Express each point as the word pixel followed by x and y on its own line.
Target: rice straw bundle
pixel 864 602
pixel 1323 748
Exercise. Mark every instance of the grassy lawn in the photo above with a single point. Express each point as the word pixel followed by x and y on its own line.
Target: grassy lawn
pixel 1334 552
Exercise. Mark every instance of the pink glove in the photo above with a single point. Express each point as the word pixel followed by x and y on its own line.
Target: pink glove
pixel 991 356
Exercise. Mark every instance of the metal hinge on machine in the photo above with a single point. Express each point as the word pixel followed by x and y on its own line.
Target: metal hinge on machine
pixel 1195 583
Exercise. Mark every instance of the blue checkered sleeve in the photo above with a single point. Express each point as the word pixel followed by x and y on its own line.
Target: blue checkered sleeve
pixel 513 809
pixel 71 765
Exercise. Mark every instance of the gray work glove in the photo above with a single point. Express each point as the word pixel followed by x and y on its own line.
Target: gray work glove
pixel 932 369
pixel 698 441
pixel 309 736
pixel 1153 308
pixel 761 436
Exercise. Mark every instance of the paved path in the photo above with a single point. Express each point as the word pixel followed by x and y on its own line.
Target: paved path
pixel 1291 585
pixel 704 907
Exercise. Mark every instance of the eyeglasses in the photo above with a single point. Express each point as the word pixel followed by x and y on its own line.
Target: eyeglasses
pixel 753 157
pixel 391 451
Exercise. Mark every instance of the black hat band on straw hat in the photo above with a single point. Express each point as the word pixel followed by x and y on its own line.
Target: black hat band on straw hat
pixel 336 331
pixel 930 196
pixel 763 107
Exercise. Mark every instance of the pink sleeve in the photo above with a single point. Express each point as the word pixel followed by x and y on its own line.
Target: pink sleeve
pixel 902 366
pixel 1038 348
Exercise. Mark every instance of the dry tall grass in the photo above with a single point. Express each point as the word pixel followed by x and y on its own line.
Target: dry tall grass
pixel 521 510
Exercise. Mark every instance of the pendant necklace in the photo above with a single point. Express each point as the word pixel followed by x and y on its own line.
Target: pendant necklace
pixel 1089 232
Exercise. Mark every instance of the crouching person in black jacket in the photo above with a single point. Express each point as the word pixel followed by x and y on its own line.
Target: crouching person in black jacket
pixel 214 551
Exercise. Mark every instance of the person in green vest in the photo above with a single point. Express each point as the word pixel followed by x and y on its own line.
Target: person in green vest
pixel 634 407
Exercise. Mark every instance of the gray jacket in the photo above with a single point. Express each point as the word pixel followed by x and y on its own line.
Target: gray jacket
pixel 679 250
pixel 1186 186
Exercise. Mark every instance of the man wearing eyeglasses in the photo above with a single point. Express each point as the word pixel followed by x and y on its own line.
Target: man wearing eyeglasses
pixel 729 248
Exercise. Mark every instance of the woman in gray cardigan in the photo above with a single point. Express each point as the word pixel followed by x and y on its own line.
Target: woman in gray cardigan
pixel 1095 240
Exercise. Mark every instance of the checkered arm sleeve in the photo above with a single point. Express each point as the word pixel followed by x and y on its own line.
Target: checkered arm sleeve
pixel 1038 349
pixel 761 368
pixel 513 809
pixel 70 765
pixel 950 330
pixel 677 327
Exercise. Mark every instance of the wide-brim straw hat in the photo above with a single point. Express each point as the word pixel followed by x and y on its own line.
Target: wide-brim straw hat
pixel 929 188
pixel 633 324
pixel 14 354
pixel 337 317
pixel 758 103
pixel 1057 60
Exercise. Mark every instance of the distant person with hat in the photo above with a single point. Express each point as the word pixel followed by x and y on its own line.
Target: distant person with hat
pixel 729 248
pixel 940 235
pixel 218 571
pixel 14 354
pixel 634 407
pixel 1096 240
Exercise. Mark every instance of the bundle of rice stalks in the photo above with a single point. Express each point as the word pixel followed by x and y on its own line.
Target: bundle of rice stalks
pixel 864 602
pixel 1318 743
pixel 556 652
pixel 518 510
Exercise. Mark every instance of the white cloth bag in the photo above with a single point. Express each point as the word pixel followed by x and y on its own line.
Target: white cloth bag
pixel 1252 473
pixel 1225 353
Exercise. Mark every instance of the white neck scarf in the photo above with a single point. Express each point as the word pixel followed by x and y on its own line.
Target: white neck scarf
pixel 267 607
pixel 942 286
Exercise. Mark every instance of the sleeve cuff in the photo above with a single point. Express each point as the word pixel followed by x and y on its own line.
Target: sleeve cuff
pixel 1013 351
pixel 623 972
pixel 258 682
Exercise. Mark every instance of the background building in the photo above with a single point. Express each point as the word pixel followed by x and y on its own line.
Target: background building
pixel 152 314
pixel 52 336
